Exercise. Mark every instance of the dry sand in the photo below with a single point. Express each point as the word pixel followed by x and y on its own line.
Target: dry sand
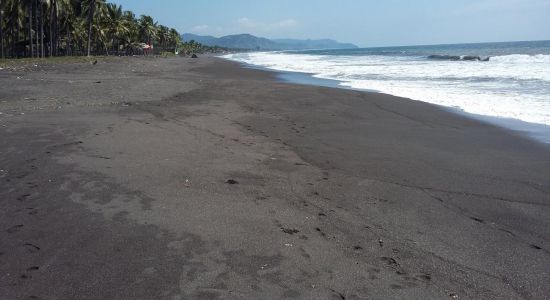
pixel 142 178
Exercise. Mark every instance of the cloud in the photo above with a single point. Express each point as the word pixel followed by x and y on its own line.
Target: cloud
pixel 250 24
pixel 247 23
pixel 288 23
pixel 200 28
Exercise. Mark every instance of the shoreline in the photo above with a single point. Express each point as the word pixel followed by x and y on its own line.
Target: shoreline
pixel 169 178
pixel 535 131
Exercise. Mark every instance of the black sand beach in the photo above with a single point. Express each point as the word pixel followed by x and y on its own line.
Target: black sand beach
pixel 141 178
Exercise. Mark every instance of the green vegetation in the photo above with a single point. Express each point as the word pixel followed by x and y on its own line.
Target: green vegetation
pixel 47 28
pixel 190 47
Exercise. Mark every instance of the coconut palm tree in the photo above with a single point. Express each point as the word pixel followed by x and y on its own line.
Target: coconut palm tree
pixel 91 8
pixel 147 29
pixel 28 7
pixel 37 28
pixel 117 26
pixel 40 31
pixel 91 11
pixel 162 35
pixel 79 33
pixel 63 19
pixel 16 13
pixel 175 38
pixel 1 29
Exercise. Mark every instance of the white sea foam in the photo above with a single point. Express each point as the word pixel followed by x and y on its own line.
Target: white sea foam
pixel 512 86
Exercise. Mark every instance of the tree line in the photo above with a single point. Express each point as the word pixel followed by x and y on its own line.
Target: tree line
pixel 44 28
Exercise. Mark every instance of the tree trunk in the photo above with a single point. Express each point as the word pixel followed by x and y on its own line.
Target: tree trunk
pixel 90 23
pixel 42 51
pixel 15 35
pixel 1 31
pixel 56 28
pixel 35 16
pixel 31 45
pixel 50 52
pixel 68 50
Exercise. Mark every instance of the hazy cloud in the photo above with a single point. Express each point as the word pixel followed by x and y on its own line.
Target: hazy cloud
pixel 200 28
pixel 250 24
pixel 247 25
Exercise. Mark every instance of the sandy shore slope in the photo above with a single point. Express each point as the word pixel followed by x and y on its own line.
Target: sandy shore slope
pixel 115 184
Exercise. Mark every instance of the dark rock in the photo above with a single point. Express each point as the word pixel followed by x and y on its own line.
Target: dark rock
pixel 458 58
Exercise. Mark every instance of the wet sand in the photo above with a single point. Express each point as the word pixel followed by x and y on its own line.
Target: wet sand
pixel 141 178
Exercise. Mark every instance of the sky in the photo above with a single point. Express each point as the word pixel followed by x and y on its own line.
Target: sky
pixel 367 23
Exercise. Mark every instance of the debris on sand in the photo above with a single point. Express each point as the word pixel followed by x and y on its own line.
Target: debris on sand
pixel 290 231
pixel 232 181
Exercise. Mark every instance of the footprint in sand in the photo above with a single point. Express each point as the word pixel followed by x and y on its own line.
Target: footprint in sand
pixel 390 261
pixel 32 185
pixel 22 175
pixel 23 197
pixel 14 228
pixel 478 220
pixel 31 247
pixel 29 270
pixel 425 277
pixel 320 232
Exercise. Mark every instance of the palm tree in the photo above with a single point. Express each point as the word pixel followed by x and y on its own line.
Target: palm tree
pixel 1 30
pixel 36 25
pixel 79 33
pixel 162 35
pixel 175 38
pixel 91 11
pixel 16 13
pixel 29 23
pixel 147 29
pixel 61 14
pixel 116 25
pixel 37 28
pixel 40 10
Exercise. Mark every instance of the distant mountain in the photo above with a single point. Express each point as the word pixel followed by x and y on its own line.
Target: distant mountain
pixel 203 39
pixel 248 41
pixel 294 44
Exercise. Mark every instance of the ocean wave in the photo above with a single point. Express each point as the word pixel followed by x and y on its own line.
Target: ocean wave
pixel 511 86
pixel 522 58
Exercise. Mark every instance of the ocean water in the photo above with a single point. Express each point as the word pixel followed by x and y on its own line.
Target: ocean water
pixel 502 80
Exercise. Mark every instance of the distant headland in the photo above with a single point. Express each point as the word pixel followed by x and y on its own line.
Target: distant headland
pixel 251 42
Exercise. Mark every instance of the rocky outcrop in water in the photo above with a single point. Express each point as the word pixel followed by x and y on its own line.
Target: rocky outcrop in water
pixel 459 57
